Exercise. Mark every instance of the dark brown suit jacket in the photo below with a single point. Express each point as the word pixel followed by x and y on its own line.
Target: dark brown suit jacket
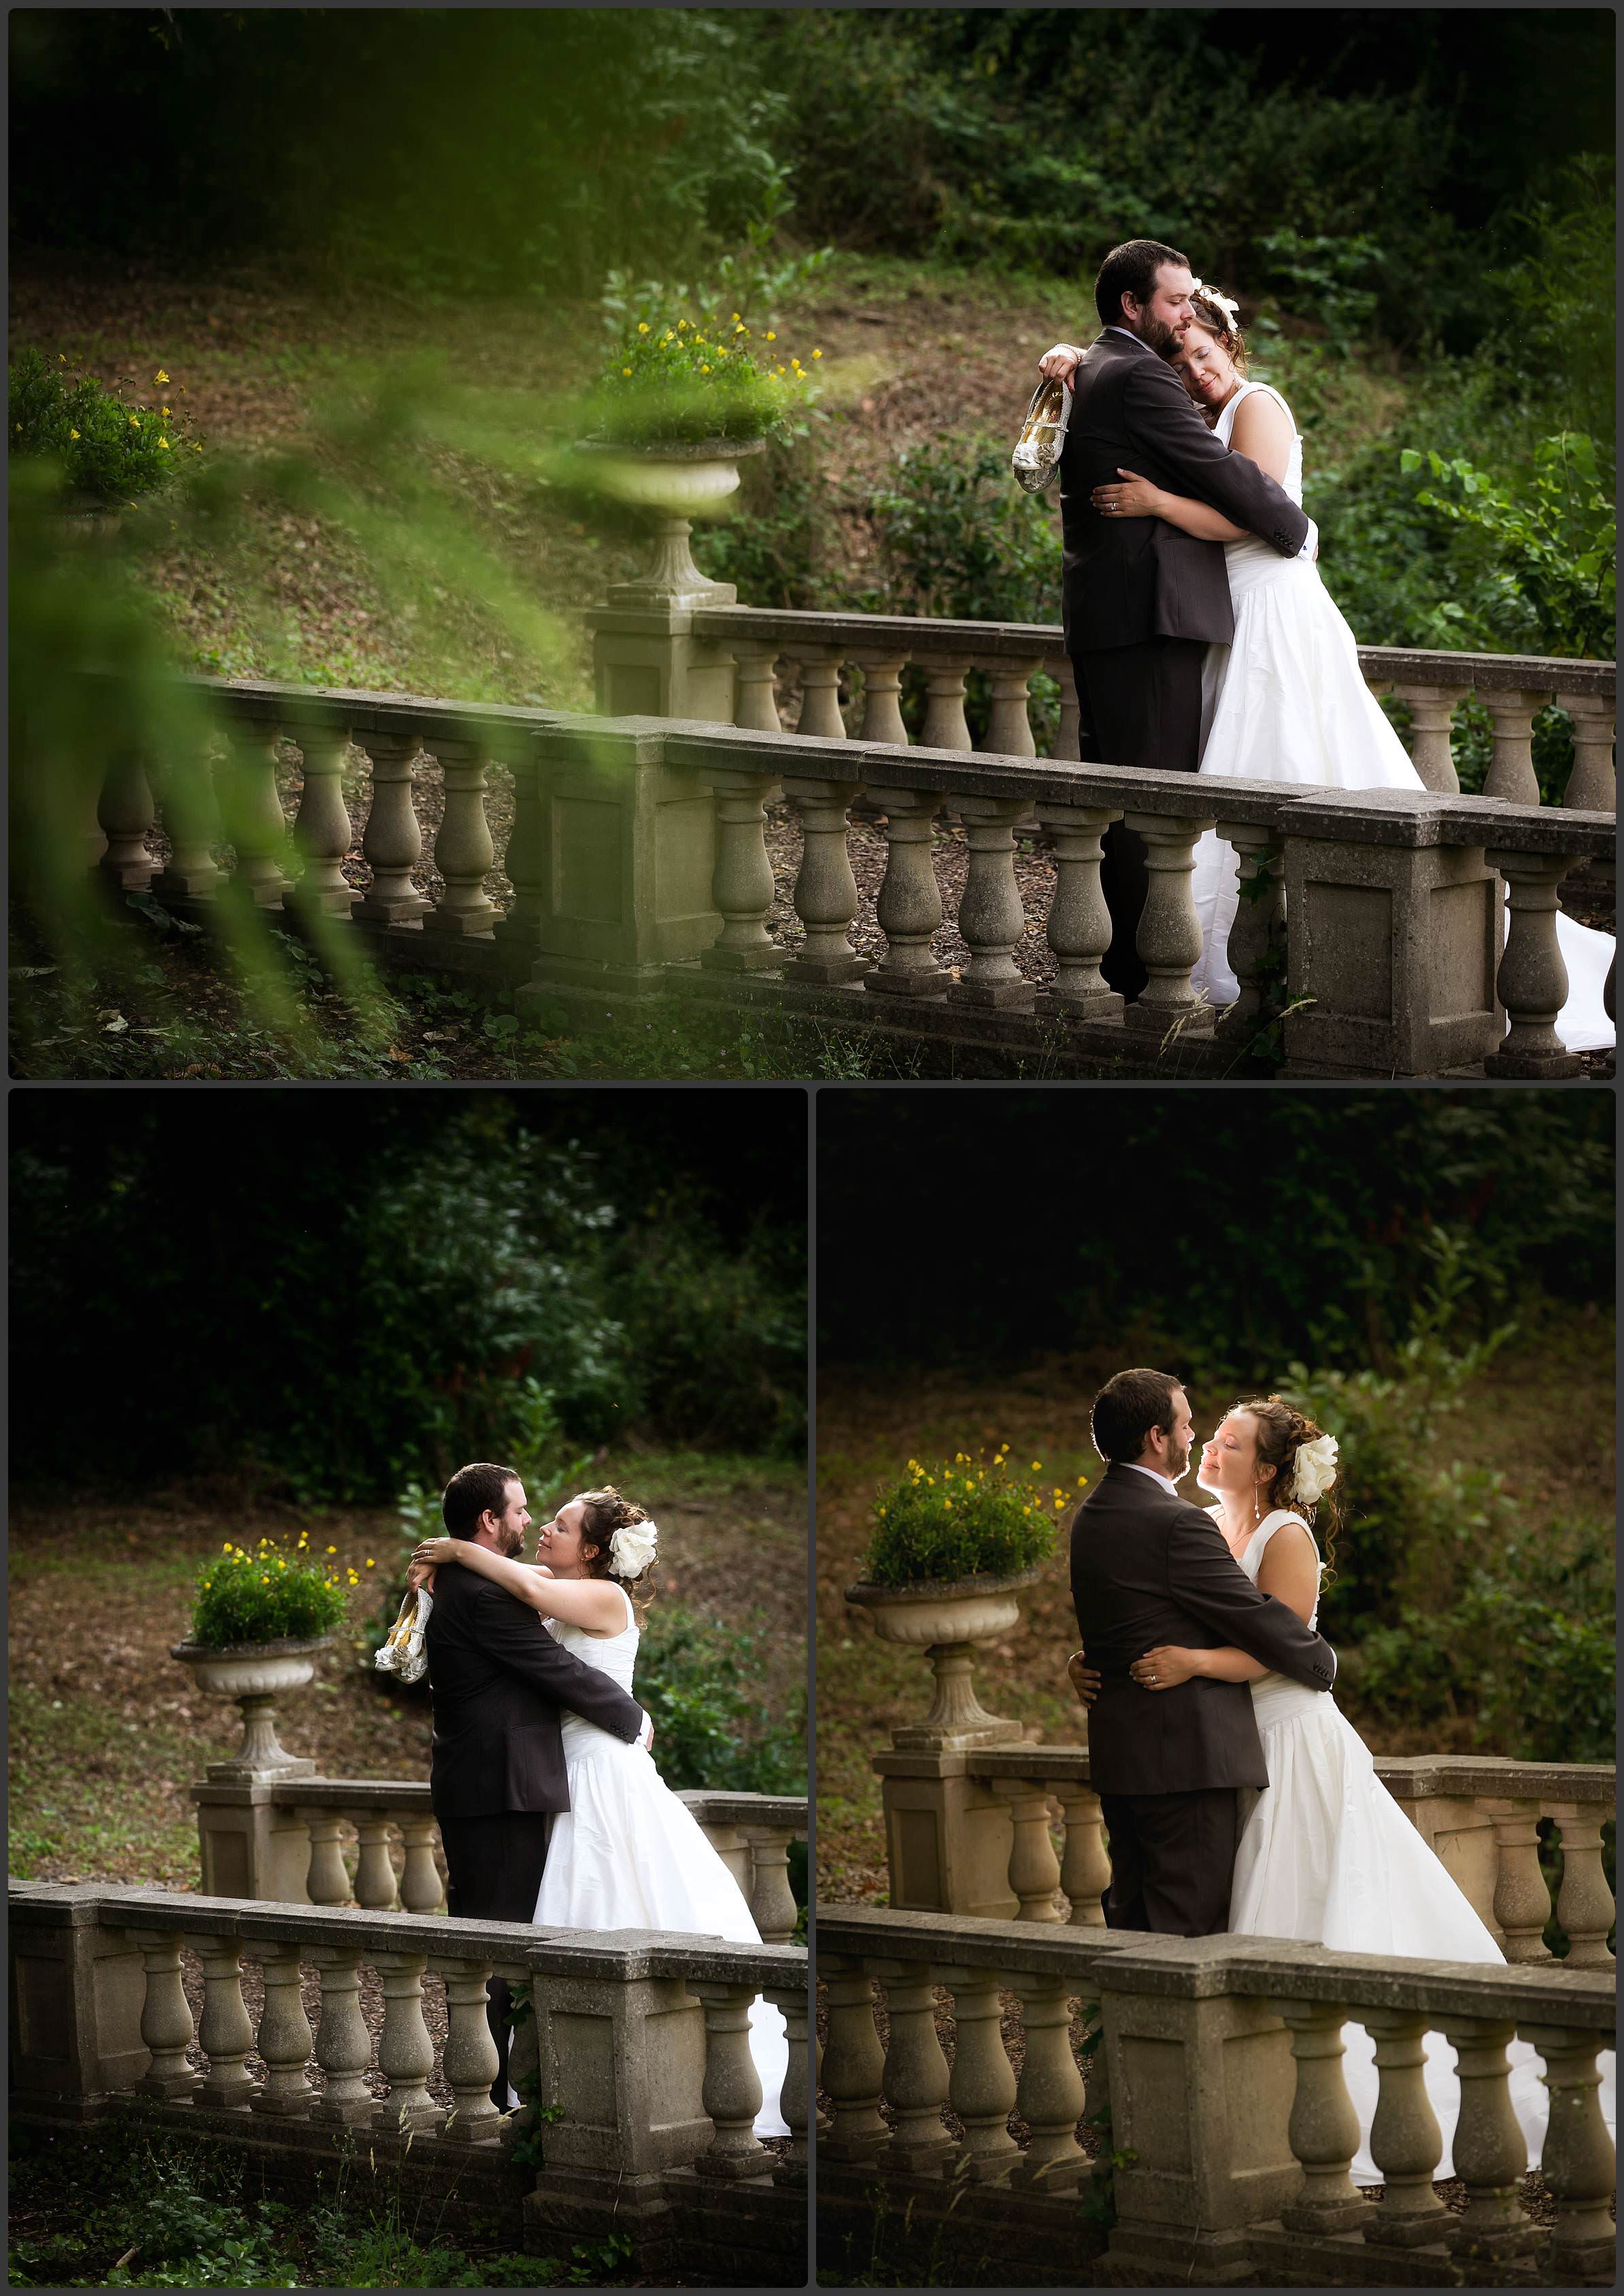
pixel 498 1679
pixel 1125 581
pixel 1147 1568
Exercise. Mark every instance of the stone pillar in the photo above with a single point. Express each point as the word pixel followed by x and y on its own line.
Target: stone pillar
pixel 1432 752
pixel 853 2070
pixel 883 698
pixel 252 815
pixel 77 1992
pixel 755 705
pixel 166 2018
pixel 469 2059
pixel 825 890
pixel 376 1887
pixel 1050 2096
pixel 225 2032
pixel 1491 2153
pixel 1169 936
pixel 991 916
pixel 772 1901
pixel 945 727
pixel 405 2054
pixel 1257 937
pixel 1084 1869
pixel 947 1834
pixel 1521 1901
pixel 981 2085
pixel 1079 923
pixel 392 844
pixel 1008 728
pixel 251 1845
pixel 731 2089
pixel 1591 785
pixel 1532 982
pixel 126 813
pixel 422 1890
pixel 820 694
pixel 1068 744
pixel 1406 2143
pixel 916 2079
pixel 284 2039
pixel 191 877
pixel 742 887
pixel 1511 772
pixel 1584 1903
pixel 524 861
pixel 1576 2164
pixel 1034 1870
pixel 463 853
pixel 795 2097
pixel 327 1881
pixel 909 908
pixel 321 827
pixel 648 662
pixel 343 2046
pixel 1324 2127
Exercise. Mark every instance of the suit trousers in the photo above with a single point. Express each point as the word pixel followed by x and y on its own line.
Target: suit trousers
pixel 1172 1860
pixel 1139 705
pixel 493 1867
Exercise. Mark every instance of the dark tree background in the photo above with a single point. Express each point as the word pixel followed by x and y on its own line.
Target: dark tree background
pixel 334 1292
pixel 994 1226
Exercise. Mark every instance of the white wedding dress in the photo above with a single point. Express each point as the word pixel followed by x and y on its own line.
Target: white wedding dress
pixel 1326 1857
pixel 628 1855
pixel 1285 701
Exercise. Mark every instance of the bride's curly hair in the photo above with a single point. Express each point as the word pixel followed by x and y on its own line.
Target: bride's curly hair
pixel 1226 333
pixel 1282 1431
pixel 606 1511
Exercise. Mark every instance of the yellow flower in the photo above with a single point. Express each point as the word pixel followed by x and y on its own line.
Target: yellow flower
pixel 370 1564
pixel 135 424
pixel 1037 1466
pixel 333 1550
pixel 681 324
pixel 705 370
pixel 626 370
pixel 161 376
pixel 735 317
pixel 163 442
pixel 643 326
pixel 771 337
pixel 163 410
pixel 741 331
pixel 73 434
pixel 1081 1481
pixel 817 354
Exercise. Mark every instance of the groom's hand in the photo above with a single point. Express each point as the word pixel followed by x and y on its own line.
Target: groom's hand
pixel 646 1735
pixel 1084 1679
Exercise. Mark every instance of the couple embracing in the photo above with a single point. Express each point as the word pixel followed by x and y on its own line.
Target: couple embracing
pixel 550 1808
pixel 1235 1795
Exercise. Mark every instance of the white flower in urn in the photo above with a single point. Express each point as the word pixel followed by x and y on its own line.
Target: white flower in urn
pixel 1316 1469
pixel 633 1548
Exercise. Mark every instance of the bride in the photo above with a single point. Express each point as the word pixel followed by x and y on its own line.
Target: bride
pixel 626 1853
pixel 1326 1857
pixel 1286 701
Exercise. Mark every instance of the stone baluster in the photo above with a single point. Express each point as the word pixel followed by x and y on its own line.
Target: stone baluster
pixel 1049 2096
pixel 343 2044
pixel 990 915
pixel 1584 1903
pixel 225 2032
pixel 853 2070
pixel 944 726
pixel 1591 785
pixel 820 695
pixel 1096 2072
pixel 1522 1900
pixel 376 1887
pixel 1169 935
pixel 284 2037
pixel 321 827
pixel 1068 734
pixel 916 2081
pixel 755 707
pixel 825 893
pixel 772 1901
pixel 982 2083
pixel 1431 752
pixel 1034 1870
pixel 795 2097
pixel 422 1890
pixel 1009 726
pixel 166 2018
pixel 1406 2143
pixel 463 853
pixel 732 2090
pixel 524 858
pixel 1577 2162
pixel 523 2054
pixel 1511 771
pixel 883 697
pixel 469 2059
pixel 191 822
pixel 125 812
pixel 1324 2129
pixel 327 1884
pixel 742 886
pixel 406 2052
pixel 1490 2150
pixel 391 845
pixel 252 815
pixel 1257 937
pixel 1532 982
pixel 1084 1869
pixel 1079 923
pixel 909 908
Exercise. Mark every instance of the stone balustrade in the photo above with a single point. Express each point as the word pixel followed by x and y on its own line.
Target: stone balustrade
pixel 636 2047
pixel 639 862
pixel 286 1841
pixel 955 2103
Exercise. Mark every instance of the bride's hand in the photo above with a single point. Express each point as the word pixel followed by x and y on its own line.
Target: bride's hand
pixel 1060 365
pixel 419 1575
pixel 1138 498
pixel 1165 1667
pixel 1085 1681
pixel 436 1550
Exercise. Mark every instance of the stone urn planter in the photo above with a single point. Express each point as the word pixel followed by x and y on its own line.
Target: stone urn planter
pixel 676 482
pixel 946 1618
pixel 255 1674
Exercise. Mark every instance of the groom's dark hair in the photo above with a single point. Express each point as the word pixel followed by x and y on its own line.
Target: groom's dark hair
pixel 1131 269
pixel 471 1490
pixel 1126 1409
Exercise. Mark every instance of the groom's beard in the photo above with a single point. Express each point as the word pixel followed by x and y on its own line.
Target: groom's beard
pixel 1164 341
pixel 512 1543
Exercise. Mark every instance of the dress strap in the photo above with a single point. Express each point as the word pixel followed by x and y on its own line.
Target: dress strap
pixel 1248 390
pixel 631 1610
pixel 1274 1521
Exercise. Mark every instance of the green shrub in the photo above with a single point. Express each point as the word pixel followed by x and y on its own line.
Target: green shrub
pixel 958 539
pixel 709 1729
pixel 671 379
pixel 960 1519
pixel 110 451
pixel 265 1597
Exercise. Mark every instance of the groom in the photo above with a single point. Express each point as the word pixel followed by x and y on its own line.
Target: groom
pixel 497 1768
pixel 1141 600
pixel 1149 1568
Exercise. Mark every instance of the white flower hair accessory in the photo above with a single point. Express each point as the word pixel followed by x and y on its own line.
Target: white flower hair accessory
pixel 1223 303
pixel 632 1549
pixel 1314 1471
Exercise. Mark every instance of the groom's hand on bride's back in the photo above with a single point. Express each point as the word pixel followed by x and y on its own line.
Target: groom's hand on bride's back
pixel 647 1740
pixel 1084 1679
